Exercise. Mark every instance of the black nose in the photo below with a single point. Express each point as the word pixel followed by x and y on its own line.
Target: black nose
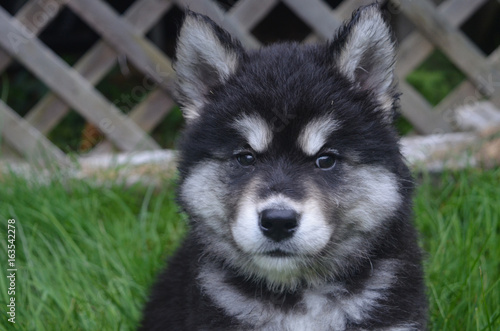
pixel 278 224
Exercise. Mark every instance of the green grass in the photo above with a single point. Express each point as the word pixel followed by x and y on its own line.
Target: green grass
pixel 459 218
pixel 86 254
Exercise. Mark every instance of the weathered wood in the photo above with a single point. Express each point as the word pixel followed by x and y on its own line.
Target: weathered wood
pixel 434 153
pixel 250 12
pixel 340 15
pixel 494 76
pixel 122 37
pixel 35 15
pixel 27 141
pixel 96 63
pixel 75 90
pixel 8 153
pixel 127 159
pixel 477 116
pixel 463 93
pixel 415 48
pixel 147 115
pixel 147 167
pixel 438 151
pixel 347 7
pixel 317 15
pixel 51 109
pixel 467 93
pixel 212 10
pixel 419 112
pixel 152 110
pixel 451 41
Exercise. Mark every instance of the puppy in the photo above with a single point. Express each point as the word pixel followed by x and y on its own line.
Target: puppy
pixel 298 198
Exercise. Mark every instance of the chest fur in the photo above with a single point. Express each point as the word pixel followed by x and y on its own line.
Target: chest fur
pixel 330 307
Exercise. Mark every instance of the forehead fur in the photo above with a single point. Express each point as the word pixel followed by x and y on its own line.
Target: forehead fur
pixel 256 131
pixel 315 134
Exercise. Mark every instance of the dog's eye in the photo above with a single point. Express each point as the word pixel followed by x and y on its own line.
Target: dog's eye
pixel 245 159
pixel 326 161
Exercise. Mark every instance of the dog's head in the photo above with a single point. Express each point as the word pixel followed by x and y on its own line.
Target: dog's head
pixel 290 168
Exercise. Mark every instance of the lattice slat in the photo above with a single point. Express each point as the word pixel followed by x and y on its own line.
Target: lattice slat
pixel 467 93
pixel 25 16
pixel 438 27
pixel 142 53
pixel 424 120
pixel 147 115
pixel 96 63
pixel 415 48
pixel 346 8
pixel 75 90
pixel 28 141
pixel 494 60
pixel 251 12
pixel 450 41
pixel 317 15
pixel 212 10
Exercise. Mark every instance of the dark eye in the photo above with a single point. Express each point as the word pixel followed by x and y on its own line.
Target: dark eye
pixel 326 161
pixel 245 159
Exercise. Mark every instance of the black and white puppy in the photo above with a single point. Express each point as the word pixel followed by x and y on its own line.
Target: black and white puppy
pixel 298 199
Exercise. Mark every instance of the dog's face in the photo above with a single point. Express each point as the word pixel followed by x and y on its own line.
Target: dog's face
pixel 290 169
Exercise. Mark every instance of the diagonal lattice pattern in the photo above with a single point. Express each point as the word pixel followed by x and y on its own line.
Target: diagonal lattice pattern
pixel 73 88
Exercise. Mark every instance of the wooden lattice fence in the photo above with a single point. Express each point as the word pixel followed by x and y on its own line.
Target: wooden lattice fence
pixel 73 88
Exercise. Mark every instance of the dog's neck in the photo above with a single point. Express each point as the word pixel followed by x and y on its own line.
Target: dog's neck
pixel 333 305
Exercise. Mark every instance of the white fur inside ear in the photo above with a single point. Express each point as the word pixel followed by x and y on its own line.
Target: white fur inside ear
pixel 367 58
pixel 202 61
pixel 197 41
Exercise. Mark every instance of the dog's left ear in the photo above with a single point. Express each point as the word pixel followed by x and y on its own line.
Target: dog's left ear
pixel 365 52
pixel 206 56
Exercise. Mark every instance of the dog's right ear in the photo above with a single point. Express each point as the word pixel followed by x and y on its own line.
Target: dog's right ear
pixel 206 56
pixel 365 53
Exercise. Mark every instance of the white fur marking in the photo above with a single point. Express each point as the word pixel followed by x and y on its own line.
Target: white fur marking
pixel 327 307
pixel 203 192
pixel 376 196
pixel 312 235
pixel 313 137
pixel 256 131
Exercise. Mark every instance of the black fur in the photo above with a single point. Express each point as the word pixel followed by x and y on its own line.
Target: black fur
pixel 288 85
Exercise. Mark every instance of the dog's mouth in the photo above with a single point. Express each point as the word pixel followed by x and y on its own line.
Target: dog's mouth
pixel 278 253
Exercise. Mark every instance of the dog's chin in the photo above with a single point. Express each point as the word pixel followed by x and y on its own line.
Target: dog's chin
pixel 283 271
pixel 276 267
pixel 278 253
pixel 276 260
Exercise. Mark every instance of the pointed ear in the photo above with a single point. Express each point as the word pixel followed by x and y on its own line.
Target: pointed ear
pixel 365 53
pixel 206 56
